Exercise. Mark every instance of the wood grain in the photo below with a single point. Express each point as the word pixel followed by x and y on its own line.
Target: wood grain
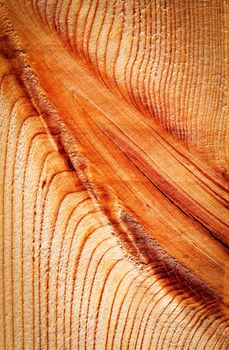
pixel 114 193
pixel 160 56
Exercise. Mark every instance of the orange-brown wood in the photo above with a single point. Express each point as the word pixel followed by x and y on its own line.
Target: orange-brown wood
pixel 114 192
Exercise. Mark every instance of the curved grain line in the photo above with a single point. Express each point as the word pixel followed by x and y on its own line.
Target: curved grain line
pixel 33 246
pixel 208 340
pixel 45 159
pixel 205 103
pixel 206 329
pixel 45 2
pixel 48 184
pixel 68 258
pixel 22 216
pixel 185 72
pixel 223 9
pixel 27 157
pixel 222 344
pixel 81 49
pixel 89 232
pixel 152 106
pixel 130 54
pixel 113 301
pixel 67 21
pixel 164 75
pixel 172 319
pixel 139 53
pixel 64 15
pixel 137 3
pixel 84 279
pixel 138 308
pixel 92 286
pixel 145 59
pixel 52 9
pixel 106 44
pixel 56 15
pixel 213 100
pixel 127 314
pixel 151 311
pixel 197 308
pixel 67 262
pixel 148 30
pixel 39 11
pixel 143 311
pixel 104 283
pixel 58 265
pixel 162 312
pixel 168 89
pixel 75 31
pixel 48 262
pixel 86 49
pixel 196 58
pixel 198 96
pixel 3 230
pixel 118 50
pixel 97 42
pixel 34 10
pixel 200 320
pixel 4 167
pixel 155 67
pixel 191 78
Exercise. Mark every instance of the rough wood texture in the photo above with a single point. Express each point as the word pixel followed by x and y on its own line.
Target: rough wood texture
pixel 114 221
pixel 165 57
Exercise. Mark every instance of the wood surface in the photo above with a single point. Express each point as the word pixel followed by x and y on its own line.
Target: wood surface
pixel 114 174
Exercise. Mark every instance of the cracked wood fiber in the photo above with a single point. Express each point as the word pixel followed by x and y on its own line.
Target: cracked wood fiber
pixel 114 174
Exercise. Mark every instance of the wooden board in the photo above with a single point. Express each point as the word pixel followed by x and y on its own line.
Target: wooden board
pixel 114 169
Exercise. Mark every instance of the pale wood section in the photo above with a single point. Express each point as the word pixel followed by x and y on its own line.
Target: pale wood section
pixel 113 233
